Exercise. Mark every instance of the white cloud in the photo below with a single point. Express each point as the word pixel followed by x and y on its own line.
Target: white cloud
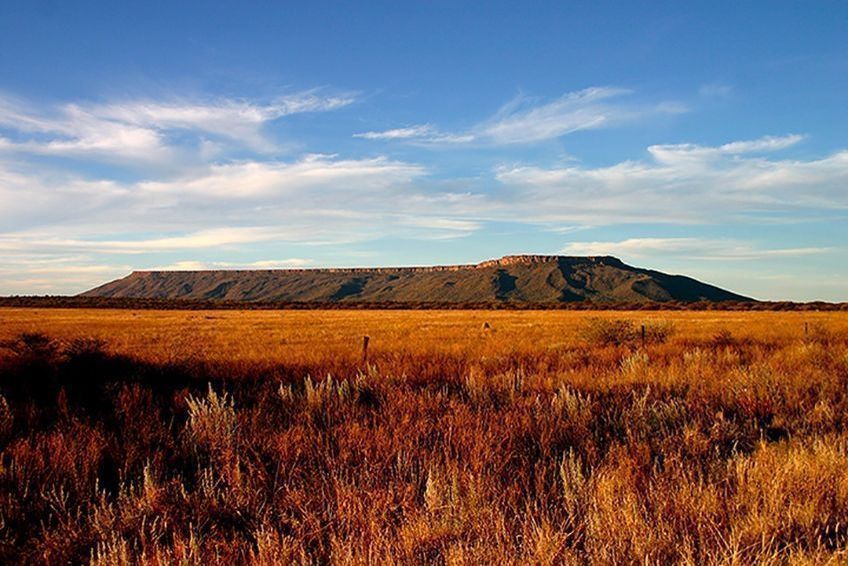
pixel 682 184
pixel 715 90
pixel 252 179
pixel 235 119
pixel 74 130
pixel 202 239
pixel 635 247
pixel 322 199
pixel 524 120
pixel 32 196
pixel 227 209
pixel 26 275
pixel 440 228
pixel 443 223
pixel 193 265
pixel 211 116
pixel 587 109
pixel 256 191
pixel 422 134
pixel 690 248
pixel 419 131
pixel 139 130
pixel 678 152
pixel 291 263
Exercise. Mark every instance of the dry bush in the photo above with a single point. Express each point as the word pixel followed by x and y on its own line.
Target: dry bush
pixel 32 344
pixel 7 419
pixel 211 421
pixel 618 332
pixel 659 332
pixel 606 332
pixel 84 347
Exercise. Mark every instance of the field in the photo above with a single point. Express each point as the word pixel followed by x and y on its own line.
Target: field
pixel 458 437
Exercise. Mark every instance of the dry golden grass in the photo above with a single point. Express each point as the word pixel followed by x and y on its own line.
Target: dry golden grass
pixel 468 437
pixel 313 335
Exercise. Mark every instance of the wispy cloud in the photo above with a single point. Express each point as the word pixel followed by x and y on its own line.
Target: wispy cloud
pixel 527 120
pixel 687 152
pixel 417 131
pixel 682 184
pixel 202 239
pixel 141 130
pixel 716 90
pixel 421 133
pixel 234 119
pixel 691 248
pixel 27 275
pixel 315 200
pixel 255 193
pixel 323 199
pixel 524 121
pixel 439 227
pixel 34 272
pixel 193 265
pixel 348 178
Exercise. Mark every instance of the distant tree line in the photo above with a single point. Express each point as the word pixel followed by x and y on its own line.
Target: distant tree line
pixel 193 304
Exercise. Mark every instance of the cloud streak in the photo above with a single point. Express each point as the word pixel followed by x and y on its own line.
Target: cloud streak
pixel 321 199
pixel 682 184
pixel 192 265
pixel 690 248
pixel 526 121
pixel 315 200
pixel 673 153
pixel 141 130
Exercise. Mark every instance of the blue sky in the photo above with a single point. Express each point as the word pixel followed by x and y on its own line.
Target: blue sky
pixel 706 138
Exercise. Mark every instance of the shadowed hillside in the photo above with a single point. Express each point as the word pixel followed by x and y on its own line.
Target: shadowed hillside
pixel 524 278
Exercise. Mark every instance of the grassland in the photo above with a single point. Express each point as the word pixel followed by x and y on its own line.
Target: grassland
pixel 466 437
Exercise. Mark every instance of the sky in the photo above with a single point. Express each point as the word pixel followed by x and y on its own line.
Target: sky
pixel 703 138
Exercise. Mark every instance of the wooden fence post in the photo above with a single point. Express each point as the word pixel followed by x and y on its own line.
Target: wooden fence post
pixel 643 335
pixel 365 340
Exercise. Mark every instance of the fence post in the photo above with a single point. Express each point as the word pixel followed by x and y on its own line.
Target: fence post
pixel 806 330
pixel 643 335
pixel 365 340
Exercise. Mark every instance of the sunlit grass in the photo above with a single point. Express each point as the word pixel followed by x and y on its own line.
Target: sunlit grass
pixel 467 437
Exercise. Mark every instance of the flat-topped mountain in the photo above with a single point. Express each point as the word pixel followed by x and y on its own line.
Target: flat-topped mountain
pixel 518 278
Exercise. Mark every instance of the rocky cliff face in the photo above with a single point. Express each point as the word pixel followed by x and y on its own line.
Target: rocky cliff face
pixel 518 278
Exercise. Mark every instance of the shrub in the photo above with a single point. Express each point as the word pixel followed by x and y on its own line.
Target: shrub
pixel 617 332
pixel 658 332
pixel 574 486
pixel 83 348
pixel 32 344
pixel 7 419
pixel 608 332
pixel 723 338
pixel 817 333
pixel 211 420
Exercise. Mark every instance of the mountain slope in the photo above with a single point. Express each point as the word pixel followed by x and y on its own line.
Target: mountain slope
pixel 524 278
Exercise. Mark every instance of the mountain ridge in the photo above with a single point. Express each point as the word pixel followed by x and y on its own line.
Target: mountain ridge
pixel 531 278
